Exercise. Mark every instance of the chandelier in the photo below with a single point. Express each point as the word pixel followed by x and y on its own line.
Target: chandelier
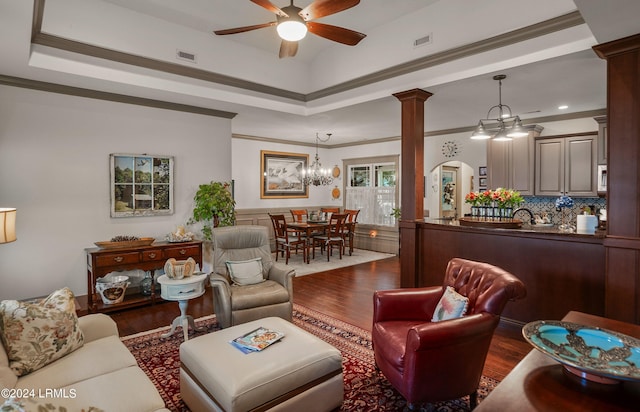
pixel 508 125
pixel 315 175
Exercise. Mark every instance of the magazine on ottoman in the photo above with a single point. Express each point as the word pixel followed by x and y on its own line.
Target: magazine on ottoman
pixel 257 340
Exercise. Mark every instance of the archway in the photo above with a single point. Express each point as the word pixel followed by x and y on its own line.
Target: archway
pixel 446 187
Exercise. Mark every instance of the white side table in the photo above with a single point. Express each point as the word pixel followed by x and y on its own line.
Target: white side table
pixel 182 290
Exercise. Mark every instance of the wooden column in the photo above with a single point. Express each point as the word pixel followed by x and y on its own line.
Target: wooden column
pixel 412 181
pixel 622 243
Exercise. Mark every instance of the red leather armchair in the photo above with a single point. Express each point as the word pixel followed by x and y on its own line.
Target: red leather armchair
pixel 435 361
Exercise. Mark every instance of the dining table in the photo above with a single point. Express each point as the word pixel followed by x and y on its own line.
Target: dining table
pixel 540 383
pixel 309 228
pixel 314 227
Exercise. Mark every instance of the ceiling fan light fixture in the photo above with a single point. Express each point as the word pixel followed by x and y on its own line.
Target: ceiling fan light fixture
pixel 292 29
pixel 292 24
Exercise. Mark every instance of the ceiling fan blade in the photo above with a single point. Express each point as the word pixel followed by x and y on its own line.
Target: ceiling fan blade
pixel 288 48
pixel 244 29
pixel 335 33
pixel 271 7
pixel 321 8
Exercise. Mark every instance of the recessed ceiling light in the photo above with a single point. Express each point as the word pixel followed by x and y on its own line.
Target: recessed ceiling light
pixel 563 107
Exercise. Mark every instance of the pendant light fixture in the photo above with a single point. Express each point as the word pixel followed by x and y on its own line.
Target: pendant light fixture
pixel 508 125
pixel 315 175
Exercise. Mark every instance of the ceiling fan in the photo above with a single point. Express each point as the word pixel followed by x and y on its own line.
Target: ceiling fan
pixel 292 24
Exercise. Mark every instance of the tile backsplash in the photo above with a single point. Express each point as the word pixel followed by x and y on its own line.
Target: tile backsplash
pixel 540 204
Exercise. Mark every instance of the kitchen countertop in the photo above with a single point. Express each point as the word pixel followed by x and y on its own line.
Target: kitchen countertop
pixel 525 229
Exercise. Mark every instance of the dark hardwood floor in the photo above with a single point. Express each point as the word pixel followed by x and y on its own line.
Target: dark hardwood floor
pixel 344 294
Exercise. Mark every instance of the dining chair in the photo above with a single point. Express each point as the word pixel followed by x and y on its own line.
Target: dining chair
pixel 286 239
pixel 299 215
pixel 352 219
pixel 333 236
pixel 328 211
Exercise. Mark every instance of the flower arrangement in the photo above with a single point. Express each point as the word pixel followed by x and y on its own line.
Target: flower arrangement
pixel 507 198
pixel 564 201
pixel 472 198
pixel 502 198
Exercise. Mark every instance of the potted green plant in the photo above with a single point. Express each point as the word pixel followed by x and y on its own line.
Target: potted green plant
pixel 214 206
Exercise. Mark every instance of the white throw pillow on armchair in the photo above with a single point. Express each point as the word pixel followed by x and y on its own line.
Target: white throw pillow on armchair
pixel 246 272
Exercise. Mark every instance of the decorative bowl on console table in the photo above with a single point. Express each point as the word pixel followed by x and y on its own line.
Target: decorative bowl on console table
pixel 592 353
pixel 114 243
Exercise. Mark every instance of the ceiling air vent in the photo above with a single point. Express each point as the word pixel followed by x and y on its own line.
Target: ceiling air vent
pixel 185 55
pixel 428 39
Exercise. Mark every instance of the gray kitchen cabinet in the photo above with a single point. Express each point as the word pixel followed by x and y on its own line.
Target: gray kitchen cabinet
pixel 510 164
pixel 566 165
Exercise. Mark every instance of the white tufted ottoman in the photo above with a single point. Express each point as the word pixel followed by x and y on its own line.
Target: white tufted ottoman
pixel 298 373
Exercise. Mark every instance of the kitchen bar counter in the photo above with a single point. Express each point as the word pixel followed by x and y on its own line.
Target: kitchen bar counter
pixel 562 271
pixel 526 228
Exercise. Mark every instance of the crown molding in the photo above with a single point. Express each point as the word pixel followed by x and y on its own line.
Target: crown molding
pixel 323 146
pixel 526 33
pixel 617 47
pixel 56 42
pixel 121 98
pixel 529 124
pixel 112 97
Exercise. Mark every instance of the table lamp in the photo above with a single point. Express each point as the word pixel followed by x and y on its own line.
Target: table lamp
pixel 7 224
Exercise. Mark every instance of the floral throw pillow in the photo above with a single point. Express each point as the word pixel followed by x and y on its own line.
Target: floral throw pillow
pixel 36 334
pixel 451 305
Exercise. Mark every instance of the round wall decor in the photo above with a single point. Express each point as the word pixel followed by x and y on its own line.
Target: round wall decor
pixel 336 171
pixel 335 193
pixel 450 148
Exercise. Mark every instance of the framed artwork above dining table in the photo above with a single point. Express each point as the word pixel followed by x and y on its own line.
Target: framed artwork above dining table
pixel 281 175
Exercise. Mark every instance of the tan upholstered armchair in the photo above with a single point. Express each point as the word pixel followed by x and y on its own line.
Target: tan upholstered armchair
pixel 241 301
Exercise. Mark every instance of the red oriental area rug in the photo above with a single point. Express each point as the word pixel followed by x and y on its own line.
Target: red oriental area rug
pixel 365 389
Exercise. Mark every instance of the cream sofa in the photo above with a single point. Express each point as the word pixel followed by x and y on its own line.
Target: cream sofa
pixel 102 374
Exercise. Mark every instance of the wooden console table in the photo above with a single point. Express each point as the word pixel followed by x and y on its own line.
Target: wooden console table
pixel 148 258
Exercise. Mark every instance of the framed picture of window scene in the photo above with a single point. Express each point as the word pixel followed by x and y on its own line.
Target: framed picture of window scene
pixel 482 171
pixel 482 182
pixel 281 175
pixel 141 185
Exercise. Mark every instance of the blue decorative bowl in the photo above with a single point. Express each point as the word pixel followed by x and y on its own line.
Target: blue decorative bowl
pixel 590 352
